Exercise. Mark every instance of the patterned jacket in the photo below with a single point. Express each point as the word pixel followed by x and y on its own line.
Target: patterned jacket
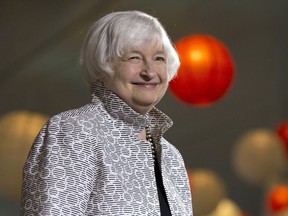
pixel 89 161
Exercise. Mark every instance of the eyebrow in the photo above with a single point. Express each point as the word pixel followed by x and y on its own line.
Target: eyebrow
pixel 138 51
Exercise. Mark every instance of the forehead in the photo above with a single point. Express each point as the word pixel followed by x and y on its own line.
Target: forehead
pixel 152 46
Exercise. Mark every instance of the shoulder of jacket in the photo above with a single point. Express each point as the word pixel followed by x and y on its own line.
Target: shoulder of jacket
pixel 74 114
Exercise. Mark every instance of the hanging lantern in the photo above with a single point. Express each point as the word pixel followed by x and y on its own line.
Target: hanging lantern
pixel 259 157
pixel 277 199
pixel 208 190
pixel 282 132
pixel 206 70
pixel 226 207
pixel 17 131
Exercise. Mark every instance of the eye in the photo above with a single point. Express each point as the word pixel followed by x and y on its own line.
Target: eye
pixel 131 57
pixel 135 57
pixel 160 58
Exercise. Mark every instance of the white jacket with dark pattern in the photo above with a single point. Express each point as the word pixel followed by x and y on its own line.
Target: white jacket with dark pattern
pixel 89 161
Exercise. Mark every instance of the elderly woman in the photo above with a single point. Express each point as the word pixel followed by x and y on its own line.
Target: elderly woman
pixel 109 157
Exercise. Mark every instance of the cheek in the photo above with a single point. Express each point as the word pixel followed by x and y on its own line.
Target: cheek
pixel 128 73
pixel 163 74
pixel 165 87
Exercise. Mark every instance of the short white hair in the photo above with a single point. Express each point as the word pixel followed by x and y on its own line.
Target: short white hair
pixel 116 32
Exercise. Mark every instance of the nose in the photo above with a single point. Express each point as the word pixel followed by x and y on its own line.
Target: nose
pixel 148 70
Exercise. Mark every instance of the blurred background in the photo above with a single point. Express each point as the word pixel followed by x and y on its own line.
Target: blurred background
pixel 40 76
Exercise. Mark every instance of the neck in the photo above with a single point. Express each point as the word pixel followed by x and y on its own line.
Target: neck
pixel 142 134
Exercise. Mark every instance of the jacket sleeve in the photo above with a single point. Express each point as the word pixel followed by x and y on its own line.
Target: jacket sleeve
pixel 175 179
pixel 58 173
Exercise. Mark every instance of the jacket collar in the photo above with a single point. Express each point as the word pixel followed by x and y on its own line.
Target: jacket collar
pixel 117 108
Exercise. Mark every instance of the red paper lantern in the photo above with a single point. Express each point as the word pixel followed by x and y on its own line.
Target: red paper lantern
pixel 277 198
pixel 282 132
pixel 206 70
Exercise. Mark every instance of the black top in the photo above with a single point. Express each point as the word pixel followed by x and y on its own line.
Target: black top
pixel 164 206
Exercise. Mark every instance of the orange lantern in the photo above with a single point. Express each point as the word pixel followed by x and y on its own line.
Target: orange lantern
pixel 282 132
pixel 18 129
pixel 258 156
pixel 277 198
pixel 208 190
pixel 206 70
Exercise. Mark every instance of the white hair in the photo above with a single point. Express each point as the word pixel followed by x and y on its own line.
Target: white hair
pixel 116 32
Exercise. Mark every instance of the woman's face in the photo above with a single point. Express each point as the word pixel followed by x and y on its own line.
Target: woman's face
pixel 140 77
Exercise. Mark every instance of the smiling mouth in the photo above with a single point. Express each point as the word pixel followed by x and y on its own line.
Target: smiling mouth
pixel 146 85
